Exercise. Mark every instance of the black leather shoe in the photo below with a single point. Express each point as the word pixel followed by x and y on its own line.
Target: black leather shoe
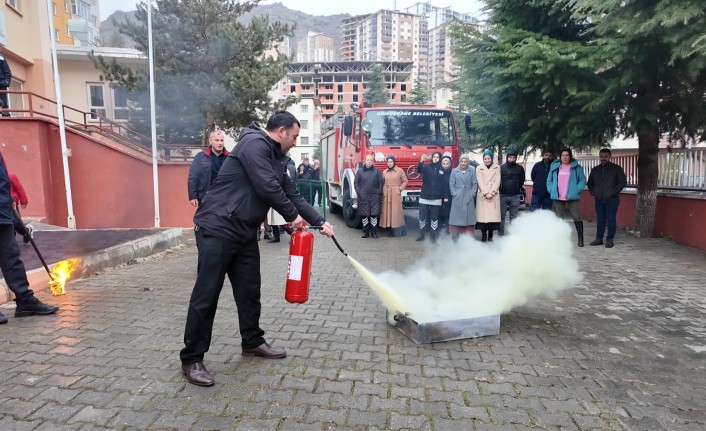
pixel 197 374
pixel 420 237
pixel 3 319
pixel 273 240
pixel 33 306
pixel 609 243
pixel 596 242
pixel 266 351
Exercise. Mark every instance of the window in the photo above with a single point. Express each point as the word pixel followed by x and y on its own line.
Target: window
pixel 355 97
pixel 305 124
pixel 81 8
pixel 305 155
pixel 120 104
pixel 304 140
pixel 53 9
pixel 303 109
pixel 355 87
pixel 66 6
pixel 15 4
pixel 56 34
pixel 68 32
pixel 96 101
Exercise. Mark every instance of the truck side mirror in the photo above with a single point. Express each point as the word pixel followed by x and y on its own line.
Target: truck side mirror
pixel 348 126
pixel 467 123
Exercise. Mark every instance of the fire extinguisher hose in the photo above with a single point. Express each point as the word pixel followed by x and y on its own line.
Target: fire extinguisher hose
pixel 332 237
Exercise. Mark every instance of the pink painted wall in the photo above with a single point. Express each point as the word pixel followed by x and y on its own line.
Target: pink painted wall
pixel 679 218
pixel 111 187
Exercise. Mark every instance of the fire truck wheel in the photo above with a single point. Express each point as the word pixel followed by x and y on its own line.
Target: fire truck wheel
pixel 350 215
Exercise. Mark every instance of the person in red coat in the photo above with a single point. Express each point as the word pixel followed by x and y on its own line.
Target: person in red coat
pixel 20 197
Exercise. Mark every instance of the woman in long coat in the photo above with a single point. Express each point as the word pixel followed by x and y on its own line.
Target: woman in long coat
pixel 392 212
pixel 463 186
pixel 368 185
pixel 488 200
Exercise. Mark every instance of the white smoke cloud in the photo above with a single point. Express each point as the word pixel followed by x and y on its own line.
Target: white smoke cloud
pixel 472 279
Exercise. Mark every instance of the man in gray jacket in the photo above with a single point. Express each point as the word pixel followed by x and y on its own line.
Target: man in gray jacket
pixel 605 183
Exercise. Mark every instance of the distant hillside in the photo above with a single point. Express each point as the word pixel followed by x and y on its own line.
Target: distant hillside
pixel 327 24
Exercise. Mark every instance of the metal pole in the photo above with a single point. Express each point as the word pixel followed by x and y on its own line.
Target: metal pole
pixel 65 152
pixel 153 122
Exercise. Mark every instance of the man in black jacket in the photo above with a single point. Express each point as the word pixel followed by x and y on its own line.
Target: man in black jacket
pixel 541 199
pixel 512 181
pixel 205 166
pixel 605 182
pixel 5 79
pixel 13 269
pixel 251 180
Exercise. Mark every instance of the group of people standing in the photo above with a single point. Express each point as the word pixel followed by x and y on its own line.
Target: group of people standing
pixel 380 197
pixel 460 200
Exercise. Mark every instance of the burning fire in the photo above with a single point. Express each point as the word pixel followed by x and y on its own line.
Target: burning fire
pixel 60 274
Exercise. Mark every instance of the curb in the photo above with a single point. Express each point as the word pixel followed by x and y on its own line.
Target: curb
pixel 102 259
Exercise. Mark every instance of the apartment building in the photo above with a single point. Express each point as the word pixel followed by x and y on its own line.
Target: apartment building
pixel 61 15
pixel 335 85
pixel 442 67
pixel 388 36
pixel 315 47
pixel 84 23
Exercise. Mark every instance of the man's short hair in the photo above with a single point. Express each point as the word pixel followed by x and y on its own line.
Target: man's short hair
pixel 216 132
pixel 605 150
pixel 548 150
pixel 281 119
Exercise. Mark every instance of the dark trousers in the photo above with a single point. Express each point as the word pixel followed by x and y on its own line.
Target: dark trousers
pixel 606 212
pixel 317 194
pixel 508 203
pixel 13 269
pixel 3 101
pixel 539 202
pixel 429 216
pixel 241 262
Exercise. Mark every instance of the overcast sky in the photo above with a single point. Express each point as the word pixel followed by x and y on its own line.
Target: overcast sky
pixel 323 7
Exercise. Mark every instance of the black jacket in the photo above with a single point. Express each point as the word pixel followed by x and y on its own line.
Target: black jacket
pixel 5 196
pixel 252 179
pixel 539 174
pixel 605 182
pixel 201 173
pixel 368 185
pixel 5 74
pixel 432 180
pixel 512 179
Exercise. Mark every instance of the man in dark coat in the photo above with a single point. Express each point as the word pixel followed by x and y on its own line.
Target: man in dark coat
pixel 512 180
pixel 540 195
pixel 13 269
pixel 252 180
pixel 605 182
pixel 5 80
pixel 205 166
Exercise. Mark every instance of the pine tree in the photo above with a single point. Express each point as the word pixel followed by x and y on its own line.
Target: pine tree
pixel 420 93
pixel 209 68
pixel 655 78
pixel 376 87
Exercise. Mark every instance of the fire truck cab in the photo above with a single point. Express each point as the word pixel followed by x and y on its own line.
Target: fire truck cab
pixel 404 131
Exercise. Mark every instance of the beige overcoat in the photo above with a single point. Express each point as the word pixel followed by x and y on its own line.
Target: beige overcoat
pixel 488 211
pixel 392 212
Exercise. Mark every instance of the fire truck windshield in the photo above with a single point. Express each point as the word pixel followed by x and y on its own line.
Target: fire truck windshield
pixel 410 127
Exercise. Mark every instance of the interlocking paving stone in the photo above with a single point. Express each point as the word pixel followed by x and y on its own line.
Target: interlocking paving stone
pixel 624 350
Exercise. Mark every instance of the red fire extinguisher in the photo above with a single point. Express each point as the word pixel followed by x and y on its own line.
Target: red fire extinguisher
pixel 301 249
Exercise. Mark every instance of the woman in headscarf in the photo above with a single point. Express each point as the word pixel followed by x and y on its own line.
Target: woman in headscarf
pixel 463 187
pixel 446 201
pixel 488 200
pixel 368 185
pixel 565 182
pixel 431 195
pixel 392 212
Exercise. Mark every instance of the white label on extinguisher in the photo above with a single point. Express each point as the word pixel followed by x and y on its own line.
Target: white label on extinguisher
pixel 296 263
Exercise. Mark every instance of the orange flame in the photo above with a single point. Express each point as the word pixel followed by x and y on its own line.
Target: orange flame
pixel 61 273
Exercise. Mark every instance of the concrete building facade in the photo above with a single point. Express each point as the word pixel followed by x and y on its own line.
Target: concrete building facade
pixel 85 22
pixel 315 47
pixel 387 35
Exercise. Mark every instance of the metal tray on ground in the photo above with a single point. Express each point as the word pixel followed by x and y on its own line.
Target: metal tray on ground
pixel 434 332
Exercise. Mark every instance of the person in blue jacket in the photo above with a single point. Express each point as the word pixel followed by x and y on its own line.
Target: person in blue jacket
pixel 565 182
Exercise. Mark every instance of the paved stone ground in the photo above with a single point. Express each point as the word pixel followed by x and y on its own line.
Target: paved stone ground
pixel 57 245
pixel 625 350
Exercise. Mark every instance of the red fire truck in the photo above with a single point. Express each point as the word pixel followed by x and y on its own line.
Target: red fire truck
pixel 403 131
